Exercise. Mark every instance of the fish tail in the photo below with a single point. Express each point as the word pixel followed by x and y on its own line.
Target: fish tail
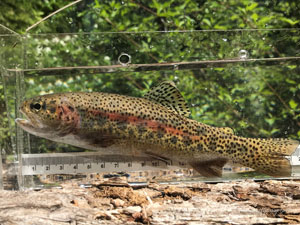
pixel 268 156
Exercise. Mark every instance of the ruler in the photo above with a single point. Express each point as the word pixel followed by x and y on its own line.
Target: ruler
pixel 90 162
pixel 97 162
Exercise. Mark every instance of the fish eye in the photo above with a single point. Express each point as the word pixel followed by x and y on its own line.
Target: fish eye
pixel 36 106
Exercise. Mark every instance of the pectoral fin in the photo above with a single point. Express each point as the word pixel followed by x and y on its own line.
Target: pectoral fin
pixel 104 142
pixel 98 139
pixel 209 168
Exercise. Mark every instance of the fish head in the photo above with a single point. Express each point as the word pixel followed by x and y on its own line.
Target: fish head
pixel 48 115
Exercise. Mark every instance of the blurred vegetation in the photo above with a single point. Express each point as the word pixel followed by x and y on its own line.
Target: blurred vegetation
pixel 257 100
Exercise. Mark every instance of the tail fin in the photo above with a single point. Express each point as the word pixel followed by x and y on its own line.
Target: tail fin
pixel 270 156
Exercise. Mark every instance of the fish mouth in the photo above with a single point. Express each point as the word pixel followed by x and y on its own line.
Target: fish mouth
pixel 34 125
pixel 28 123
pixel 24 122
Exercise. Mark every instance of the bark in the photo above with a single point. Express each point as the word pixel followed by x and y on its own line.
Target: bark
pixel 245 202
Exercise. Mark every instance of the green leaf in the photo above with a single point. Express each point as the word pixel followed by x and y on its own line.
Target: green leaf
pixel 290 21
pixel 290 81
pixel 219 27
pixel 207 22
pixel 293 104
pixel 270 121
pixel 254 16
pixel 265 20
pixel 252 6
pixel 275 130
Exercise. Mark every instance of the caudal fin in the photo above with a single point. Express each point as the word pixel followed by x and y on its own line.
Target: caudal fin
pixel 270 156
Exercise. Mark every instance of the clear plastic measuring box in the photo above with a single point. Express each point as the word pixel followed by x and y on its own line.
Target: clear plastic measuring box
pixel 227 78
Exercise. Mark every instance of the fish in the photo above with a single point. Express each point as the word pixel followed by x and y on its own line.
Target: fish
pixel 157 124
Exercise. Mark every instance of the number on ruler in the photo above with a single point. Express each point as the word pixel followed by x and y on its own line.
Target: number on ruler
pixel 34 168
pixel 130 164
pixel 102 165
pixel 75 167
pixel 89 166
pixel 61 167
pixel 116 165
pixel 48 167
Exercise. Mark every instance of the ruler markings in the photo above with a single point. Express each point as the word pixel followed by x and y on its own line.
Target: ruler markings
pixel 71 163
pixel 93 162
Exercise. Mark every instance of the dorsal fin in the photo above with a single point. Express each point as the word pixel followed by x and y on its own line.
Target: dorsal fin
pixel 167 94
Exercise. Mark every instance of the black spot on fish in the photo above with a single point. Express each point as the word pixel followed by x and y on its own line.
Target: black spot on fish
pixel 174 140
pixel 201 131
pixel 141 129
pixel 71 108
pixel 187 141
pixel 130 132
pixel 150 135
pixel 212 146
pixel 200 147
pixel 244 149
pixel 122 125
pixel 52 110
pixel 160 134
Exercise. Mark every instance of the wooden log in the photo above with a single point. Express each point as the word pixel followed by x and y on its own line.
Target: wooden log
pixel 245 202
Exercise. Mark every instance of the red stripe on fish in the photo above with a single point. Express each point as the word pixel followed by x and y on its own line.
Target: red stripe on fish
pixel 151 124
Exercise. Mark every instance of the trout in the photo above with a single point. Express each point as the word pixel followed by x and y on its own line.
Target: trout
pixel 157 125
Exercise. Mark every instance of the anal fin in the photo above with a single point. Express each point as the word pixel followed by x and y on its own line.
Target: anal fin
pixel 98 140
pixel 209 168
pixel 104 142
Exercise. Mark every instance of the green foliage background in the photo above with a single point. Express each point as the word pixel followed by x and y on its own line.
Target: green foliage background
pixel 255 100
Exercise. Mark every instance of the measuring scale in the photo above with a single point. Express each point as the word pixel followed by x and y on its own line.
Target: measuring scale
pixel 39 63
pixel 93 162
